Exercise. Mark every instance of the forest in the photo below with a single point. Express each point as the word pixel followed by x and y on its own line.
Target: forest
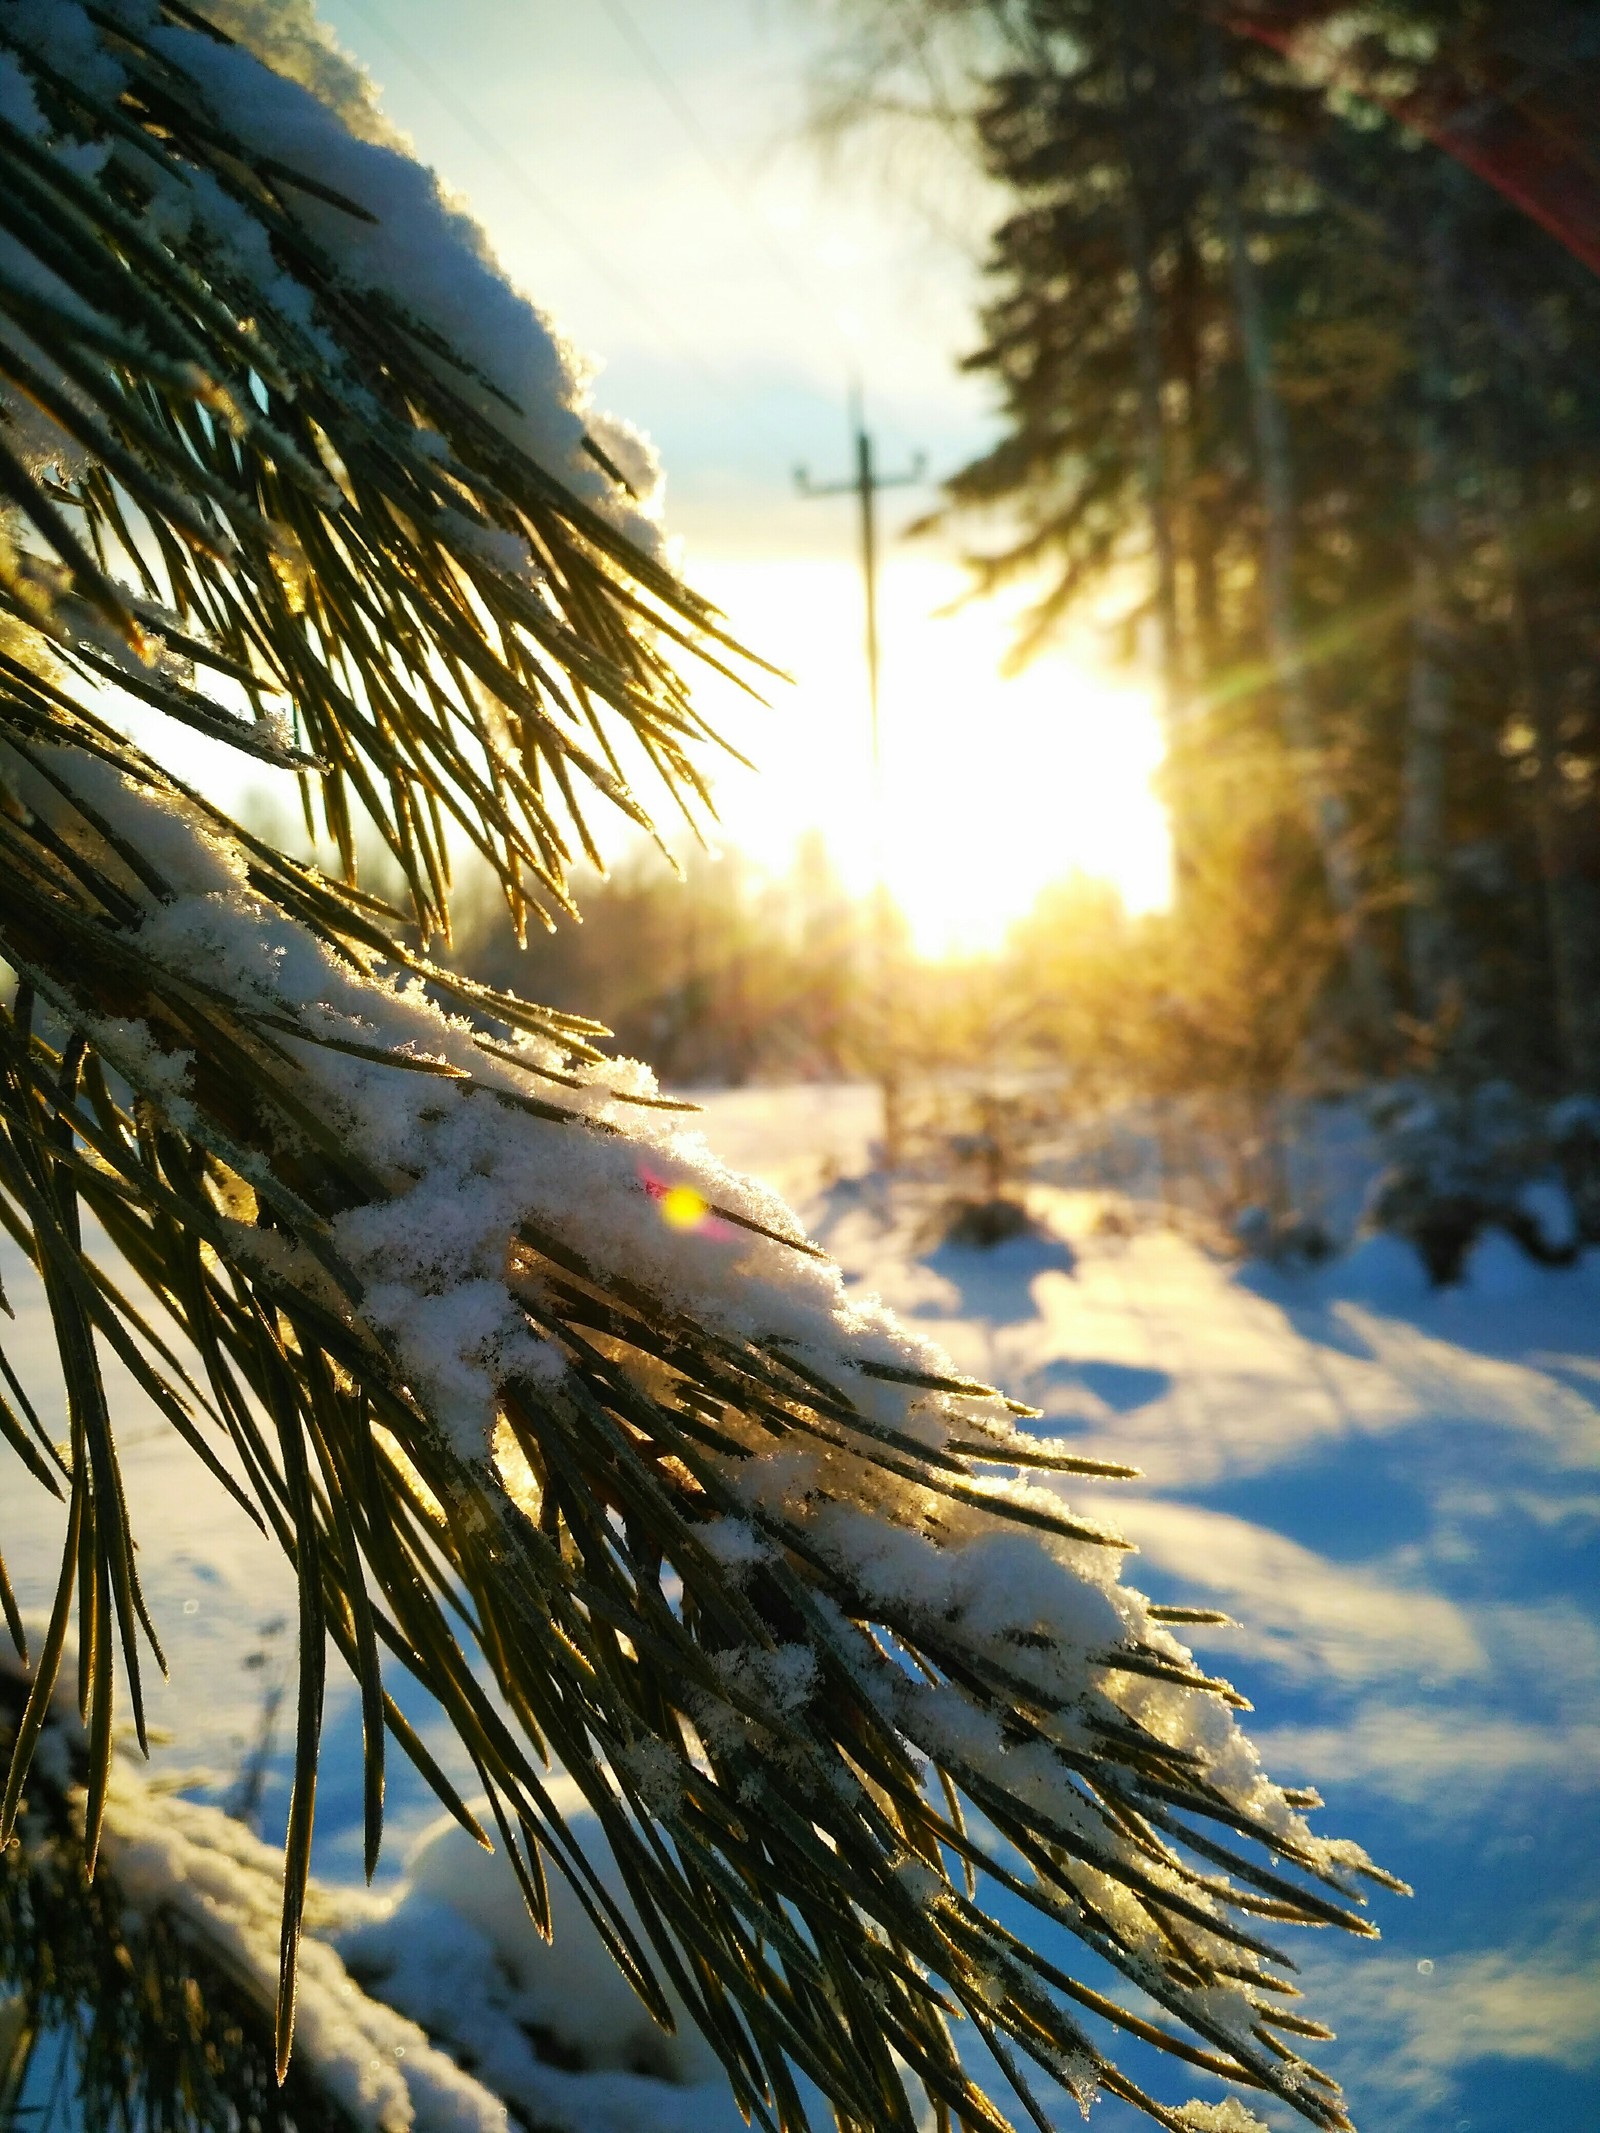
pixel 1289 372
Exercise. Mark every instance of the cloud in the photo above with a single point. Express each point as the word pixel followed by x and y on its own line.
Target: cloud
pixel 1421 2030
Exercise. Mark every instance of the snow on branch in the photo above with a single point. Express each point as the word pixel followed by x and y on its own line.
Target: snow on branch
pixel 726 1559
pixel 154 1985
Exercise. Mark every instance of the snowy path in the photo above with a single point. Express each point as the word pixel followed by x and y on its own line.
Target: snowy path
pixel 1398 1496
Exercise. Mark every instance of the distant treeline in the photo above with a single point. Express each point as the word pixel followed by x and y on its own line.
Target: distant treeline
pixel 733 974
pixel 728 975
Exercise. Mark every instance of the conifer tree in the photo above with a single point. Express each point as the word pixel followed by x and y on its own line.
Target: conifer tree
pixel 1287 310
pixel 530 1391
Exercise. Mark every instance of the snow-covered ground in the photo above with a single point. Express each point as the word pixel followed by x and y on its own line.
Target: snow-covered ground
pixel 1397 1494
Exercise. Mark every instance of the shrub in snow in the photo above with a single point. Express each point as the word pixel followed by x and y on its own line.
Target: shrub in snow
pixel 548 1409
pixel 979 1225
pixel 1574 1130
pixel 1281 1240
pixel 1462 1160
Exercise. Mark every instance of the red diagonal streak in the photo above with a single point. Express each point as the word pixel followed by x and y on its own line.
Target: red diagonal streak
pixel 1519 145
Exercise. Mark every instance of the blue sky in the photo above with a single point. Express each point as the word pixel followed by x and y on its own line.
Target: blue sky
pixel 646 172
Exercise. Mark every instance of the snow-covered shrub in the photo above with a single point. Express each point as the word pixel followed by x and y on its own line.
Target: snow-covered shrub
pixel 546 1408
pixel 1281 1240
pixel 979 1225
pixel 1574 1130
pixel 1460 1160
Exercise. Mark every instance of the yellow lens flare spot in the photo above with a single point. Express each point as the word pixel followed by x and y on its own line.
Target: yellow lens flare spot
pixel 683 1208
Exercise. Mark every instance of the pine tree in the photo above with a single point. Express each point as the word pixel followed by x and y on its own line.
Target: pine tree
pixel 525 1386
pixel 1288 310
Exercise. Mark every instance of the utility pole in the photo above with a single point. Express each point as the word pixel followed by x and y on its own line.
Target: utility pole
pixel 865 485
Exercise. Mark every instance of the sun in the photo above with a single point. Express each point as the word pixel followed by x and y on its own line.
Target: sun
pixel 990 788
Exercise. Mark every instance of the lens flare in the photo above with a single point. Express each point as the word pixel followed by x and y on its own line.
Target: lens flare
pixel 683 1208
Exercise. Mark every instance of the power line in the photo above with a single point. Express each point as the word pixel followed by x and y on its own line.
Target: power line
pixel 471 123
pixel 777 254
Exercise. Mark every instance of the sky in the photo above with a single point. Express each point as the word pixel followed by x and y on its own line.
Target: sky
pixel 646 173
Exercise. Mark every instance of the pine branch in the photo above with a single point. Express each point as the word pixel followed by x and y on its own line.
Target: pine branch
pixel 142 1997
pixel 325 498
pixel 261 1175
pixel 127 2012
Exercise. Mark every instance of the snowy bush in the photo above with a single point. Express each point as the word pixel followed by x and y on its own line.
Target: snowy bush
pixel 1282 1240
pixel 1463 1160
pixel 546 1408
pixel 1574 1130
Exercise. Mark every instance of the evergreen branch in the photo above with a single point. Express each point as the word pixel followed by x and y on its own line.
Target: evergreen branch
pixel 140 1995
pixel 434 547
pixel 621 1493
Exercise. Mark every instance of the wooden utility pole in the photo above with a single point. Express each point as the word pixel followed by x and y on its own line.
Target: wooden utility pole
pixel 865 485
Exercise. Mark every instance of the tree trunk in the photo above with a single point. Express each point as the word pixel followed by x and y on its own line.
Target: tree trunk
pixel 1325 804
pixel 1200 519
pixel 1567 858
pixel 1433 960
pixel 1152 420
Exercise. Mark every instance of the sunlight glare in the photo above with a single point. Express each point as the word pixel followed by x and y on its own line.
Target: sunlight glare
pixel 683 1208
pixel 992 788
